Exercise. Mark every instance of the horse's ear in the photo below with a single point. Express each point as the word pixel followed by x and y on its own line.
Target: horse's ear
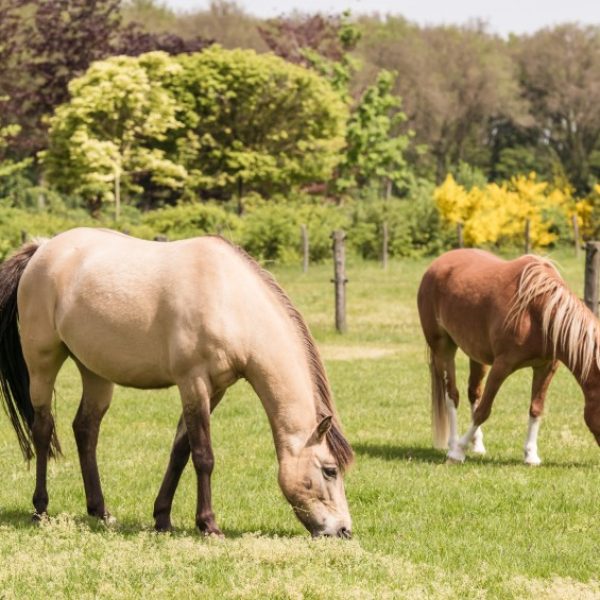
pixel 323 427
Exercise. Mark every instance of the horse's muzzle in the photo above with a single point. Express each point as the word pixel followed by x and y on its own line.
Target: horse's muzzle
pixel 342 532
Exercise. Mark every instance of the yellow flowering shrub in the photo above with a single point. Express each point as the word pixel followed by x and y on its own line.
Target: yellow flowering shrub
pixel 497 213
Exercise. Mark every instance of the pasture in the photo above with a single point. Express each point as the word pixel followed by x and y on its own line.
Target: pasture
pixel 491 528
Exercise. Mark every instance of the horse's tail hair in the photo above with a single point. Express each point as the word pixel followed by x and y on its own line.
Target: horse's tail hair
pixel 439 411
pixel 14 376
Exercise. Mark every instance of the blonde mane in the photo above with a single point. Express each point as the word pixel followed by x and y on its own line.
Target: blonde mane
pixel 566 321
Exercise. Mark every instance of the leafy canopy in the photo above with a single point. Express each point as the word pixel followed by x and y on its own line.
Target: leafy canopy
pixel 204 125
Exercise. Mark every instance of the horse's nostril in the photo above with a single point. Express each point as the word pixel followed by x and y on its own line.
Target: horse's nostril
pixel 343 532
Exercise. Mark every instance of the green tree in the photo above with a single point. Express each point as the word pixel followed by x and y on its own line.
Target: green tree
pixel 107 138
pixel 8 166
pixel 374 146
pixel 254 123
pixel 216 124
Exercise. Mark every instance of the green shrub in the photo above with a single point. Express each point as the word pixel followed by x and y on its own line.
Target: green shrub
pixel 191 220
pixel 271 233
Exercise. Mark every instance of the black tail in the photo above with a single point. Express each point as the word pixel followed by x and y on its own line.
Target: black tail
pixel 14 376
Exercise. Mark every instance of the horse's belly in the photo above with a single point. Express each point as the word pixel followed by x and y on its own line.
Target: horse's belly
pixel 126 363
pixel 473 341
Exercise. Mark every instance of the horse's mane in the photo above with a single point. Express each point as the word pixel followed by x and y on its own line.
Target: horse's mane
pixel 337 443
pixel 565 318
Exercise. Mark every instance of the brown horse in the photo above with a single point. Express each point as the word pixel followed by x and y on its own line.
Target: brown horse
pixel 198 314
pixel 510 315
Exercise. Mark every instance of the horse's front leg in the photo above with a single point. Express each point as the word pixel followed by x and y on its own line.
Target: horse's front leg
pixel 195 397
pixel 180 454
pixel 542 376
pixel 95 400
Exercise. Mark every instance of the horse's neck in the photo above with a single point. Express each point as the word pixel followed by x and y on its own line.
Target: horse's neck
pixel 281 377
pixel 588 379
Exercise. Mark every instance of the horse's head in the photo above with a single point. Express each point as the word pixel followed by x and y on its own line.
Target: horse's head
pixel 312 481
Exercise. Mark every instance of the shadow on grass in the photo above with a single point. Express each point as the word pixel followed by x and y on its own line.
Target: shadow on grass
pixel 430 455
pixel 407 453
pixel 17 518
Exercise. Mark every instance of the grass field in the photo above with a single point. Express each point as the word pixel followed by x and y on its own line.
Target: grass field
pixel 491 528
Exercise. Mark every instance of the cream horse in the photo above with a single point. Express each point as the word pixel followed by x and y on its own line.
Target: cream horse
pixel 198 314
pixel 510 315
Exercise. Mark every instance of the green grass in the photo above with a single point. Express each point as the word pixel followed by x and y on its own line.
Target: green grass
pixel 491 528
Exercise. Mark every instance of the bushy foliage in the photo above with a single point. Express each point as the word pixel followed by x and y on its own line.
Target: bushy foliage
pixel 253 122
pixel 109 134
pixel 213 124
pixel 413 223
pixel 16 223
pixel 497 213
pixel 189 220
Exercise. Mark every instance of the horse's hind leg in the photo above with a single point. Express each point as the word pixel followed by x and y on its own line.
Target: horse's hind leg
pixel 95 400
pixel 180 454
pixel 444 370
pixel 476 374
pixel 542 376
pixel 43 368
pixel 498 373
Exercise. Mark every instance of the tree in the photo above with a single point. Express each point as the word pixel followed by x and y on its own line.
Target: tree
pixel 254 123
pixel 59 39
pixel 47 43
pixel 216 124
pixel 560 77
pixel 223 21
pixel 456 83
pixel 108 137
pixel 374 148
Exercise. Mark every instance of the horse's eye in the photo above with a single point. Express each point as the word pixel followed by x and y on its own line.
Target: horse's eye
pixel 329 472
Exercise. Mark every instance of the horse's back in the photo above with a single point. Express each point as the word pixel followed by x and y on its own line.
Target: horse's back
pixel 136 311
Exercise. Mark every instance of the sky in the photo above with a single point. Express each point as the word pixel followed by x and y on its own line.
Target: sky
pixel 502 16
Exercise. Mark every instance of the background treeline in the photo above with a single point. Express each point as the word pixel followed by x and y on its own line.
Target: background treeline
pixel 215 120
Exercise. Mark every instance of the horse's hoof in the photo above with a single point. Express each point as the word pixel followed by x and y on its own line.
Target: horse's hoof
pixel 533 461
pixel 456 456
pixel 213 533
pixel 39 518
pixel 163 527
pixel 478 449
pixel 109 520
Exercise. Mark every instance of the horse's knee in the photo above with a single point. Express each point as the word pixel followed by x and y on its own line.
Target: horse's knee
pixel 203 460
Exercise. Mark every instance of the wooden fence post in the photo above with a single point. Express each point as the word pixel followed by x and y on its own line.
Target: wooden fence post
pixel 528 236
pixel 459 235
pixel 384 246
pixel 339 280
pixel 576 235
pixel 304 248
pixel 592 271
pixel 24 236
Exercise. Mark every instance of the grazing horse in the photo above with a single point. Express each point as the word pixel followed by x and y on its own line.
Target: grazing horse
pixel 510 315
pixel 198 314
